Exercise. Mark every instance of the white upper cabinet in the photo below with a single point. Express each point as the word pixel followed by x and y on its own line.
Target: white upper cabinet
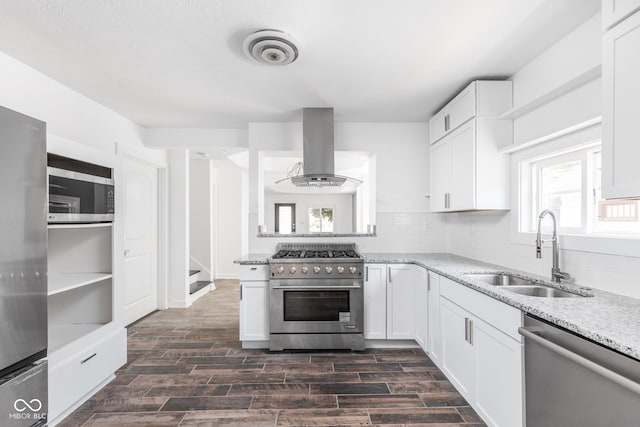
pixel 466 170
pixel 481 98
pixel 614 11
pixel 621 104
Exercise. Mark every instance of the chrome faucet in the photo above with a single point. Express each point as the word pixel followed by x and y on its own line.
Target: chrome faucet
pixel 556 274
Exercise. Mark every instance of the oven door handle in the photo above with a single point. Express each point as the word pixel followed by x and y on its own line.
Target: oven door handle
pixel 316 288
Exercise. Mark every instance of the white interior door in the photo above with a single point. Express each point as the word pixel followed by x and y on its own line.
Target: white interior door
pixel 140 240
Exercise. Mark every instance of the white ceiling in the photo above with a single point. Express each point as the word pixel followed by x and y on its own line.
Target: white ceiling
pixel 179 63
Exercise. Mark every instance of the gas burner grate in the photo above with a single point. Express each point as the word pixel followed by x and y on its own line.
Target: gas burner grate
pixel 317 254
pixel 287 254
pixel 345 254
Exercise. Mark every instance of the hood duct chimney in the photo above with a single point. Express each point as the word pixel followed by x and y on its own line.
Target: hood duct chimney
pixel 318 152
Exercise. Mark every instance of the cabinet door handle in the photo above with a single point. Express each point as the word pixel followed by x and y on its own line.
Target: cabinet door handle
pixel 241 292
pixel 447 200
pixel 428 284
pixel 470 331
pixel 466 329
pixel 254 268
pixel 82 362
pixel 366 273
pixel 390 281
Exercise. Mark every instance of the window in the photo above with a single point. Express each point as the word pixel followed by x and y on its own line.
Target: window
pixel 285 218
pixel 320 220
pixel 569 184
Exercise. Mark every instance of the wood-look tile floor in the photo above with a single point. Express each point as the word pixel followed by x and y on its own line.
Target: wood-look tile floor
pixel 186 367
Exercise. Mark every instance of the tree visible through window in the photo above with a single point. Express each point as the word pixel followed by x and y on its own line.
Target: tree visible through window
pixel 320 220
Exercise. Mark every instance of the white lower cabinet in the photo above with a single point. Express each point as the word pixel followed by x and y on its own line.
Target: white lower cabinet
pixel 254 311
pixel 375 302
pixel 400 308
pixel 420 310
pixel 434 336
pixel 499 376
pixel 389 294
pixel 482 360
pixel 254 303
pixel 81 370
pixel 458 353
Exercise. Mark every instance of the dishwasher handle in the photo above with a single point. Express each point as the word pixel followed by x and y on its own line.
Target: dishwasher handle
pixel 580 360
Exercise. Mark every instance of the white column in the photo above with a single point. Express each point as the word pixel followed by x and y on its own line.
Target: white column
pixel 178 285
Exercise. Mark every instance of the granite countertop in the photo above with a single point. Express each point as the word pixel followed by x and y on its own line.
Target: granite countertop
pixel 253 259
pixel 606 318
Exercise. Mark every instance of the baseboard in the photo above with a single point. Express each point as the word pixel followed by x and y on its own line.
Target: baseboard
pixel 179 304
pixel 227 277
pixel 255 344
pixel 390 344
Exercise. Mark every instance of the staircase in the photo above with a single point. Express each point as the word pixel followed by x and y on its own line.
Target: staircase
pixel 198 288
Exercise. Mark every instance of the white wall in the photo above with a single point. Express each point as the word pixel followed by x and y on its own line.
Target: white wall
pixel 201 239
pixel 85 126
pixel 229 205
pixel 342 205
pixel 401 178
pixel 488 236
pixel 68 113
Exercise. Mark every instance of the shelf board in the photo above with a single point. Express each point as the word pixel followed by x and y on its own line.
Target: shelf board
pixel 575 128
pixel 562 89
pixel 62 282
pixel 92 225
pixel 61 335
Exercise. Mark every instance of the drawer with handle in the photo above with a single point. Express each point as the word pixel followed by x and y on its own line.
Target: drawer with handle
pixel 254 272
pixel 71 380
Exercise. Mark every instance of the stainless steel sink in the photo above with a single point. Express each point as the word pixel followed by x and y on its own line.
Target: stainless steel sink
pixel 501 279
pixel 541 291
pixel 521 286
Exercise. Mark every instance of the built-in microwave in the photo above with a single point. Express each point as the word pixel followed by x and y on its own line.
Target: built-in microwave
pixel 79 192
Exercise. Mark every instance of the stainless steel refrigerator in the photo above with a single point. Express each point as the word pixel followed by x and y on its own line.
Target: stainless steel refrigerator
pixel 23 270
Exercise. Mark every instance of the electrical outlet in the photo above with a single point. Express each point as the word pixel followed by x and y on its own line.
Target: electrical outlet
pixel 427 227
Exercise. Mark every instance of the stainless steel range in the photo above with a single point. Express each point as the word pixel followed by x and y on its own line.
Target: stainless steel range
pixel 316 297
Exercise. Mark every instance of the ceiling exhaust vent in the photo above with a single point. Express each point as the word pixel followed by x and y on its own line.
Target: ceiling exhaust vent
pixel 271 47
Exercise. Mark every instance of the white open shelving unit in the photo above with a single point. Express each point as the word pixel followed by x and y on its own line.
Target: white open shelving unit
pixel 80 281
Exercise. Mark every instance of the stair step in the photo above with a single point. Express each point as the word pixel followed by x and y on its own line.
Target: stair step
pixel 196 286
pixel 192 272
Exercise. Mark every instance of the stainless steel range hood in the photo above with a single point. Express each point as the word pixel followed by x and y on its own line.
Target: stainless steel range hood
pixel 318 152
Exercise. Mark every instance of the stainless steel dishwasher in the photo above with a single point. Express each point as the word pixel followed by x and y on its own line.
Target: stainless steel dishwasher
pixel 571 381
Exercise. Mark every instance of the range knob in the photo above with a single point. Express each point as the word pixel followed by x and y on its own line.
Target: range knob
pixel 280 270
pixel 304 270
pixel 328 270
pixel 292 270
pixel 353 270
pixel 340 270
pixel 316 270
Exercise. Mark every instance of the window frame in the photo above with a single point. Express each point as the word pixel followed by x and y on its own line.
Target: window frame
pixel 333 222
pixel 600 243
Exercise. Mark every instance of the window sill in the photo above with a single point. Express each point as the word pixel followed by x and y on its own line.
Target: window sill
pixel 596 243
